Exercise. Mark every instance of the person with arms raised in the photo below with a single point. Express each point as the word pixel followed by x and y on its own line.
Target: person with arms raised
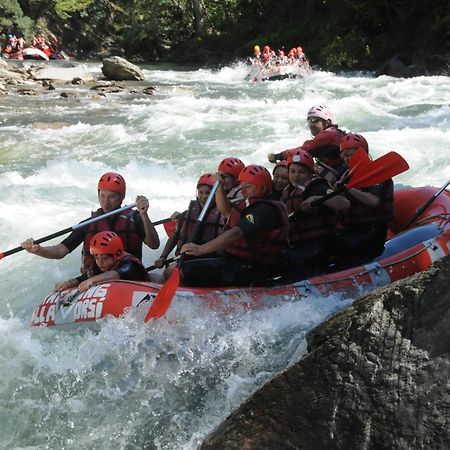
pixel 134 227
pixel 111 262
pixel 251 244
pixel 324 146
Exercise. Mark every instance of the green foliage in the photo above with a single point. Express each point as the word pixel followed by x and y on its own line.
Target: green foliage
pixel 12 17
pixel 64 8
pixel 349 34
pixel 346 52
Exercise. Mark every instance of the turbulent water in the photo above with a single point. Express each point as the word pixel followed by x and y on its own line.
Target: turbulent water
pixel 165 385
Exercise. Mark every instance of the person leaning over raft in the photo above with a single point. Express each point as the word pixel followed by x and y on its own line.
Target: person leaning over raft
pixel 252 243
pixel 134 227
pixel 310 228
pixel 111 263
pixel 365 223
pixel 324 146
pixel 212 225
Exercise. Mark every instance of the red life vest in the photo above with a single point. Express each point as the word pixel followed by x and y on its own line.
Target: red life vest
pixel 360 215
pixel 123 225
pixel 307 225
pixel 212 225
pixel 265 247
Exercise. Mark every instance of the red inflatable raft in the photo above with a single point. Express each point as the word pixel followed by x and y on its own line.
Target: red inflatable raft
pixel 406 253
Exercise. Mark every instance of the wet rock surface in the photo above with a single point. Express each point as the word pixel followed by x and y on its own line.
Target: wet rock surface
pixel 375 376
pixel 118 68
pixel 41 79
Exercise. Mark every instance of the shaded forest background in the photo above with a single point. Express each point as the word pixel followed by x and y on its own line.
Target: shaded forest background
pixel 335 35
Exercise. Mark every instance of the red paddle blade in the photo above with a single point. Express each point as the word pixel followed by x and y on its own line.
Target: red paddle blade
pixel 358 158
pixel 169 227
pixel 383 168
pixel 164 298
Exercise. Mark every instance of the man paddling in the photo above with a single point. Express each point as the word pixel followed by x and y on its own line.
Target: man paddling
pixel 134 227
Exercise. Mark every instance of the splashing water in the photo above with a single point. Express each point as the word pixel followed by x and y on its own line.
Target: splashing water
pixel 124 385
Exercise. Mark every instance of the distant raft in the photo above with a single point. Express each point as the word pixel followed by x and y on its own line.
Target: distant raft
pixel 273 72
pixel 406 253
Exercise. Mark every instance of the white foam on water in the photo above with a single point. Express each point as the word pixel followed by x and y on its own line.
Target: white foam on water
pixel 125 385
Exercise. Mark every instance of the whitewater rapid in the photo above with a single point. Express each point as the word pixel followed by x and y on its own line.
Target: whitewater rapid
pixel 125 385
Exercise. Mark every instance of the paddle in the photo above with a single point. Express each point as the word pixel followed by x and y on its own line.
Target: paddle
pixel 166 263
pixel 165 295
pixel 420 210
pixel 78 226
pixel 170 226
pixel 369 173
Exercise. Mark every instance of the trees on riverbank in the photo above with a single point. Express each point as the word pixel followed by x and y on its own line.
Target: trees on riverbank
pixel 350 34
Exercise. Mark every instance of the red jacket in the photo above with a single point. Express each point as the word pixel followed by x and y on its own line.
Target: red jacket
pixel 324 146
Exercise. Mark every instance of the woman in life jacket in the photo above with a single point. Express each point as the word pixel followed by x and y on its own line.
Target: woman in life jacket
pixel 324 146
pixel 310 228
pixel 133 226
pixel 111 263
pixel 251 244
pixel 280 179
pixel 212 225
pixel 364 224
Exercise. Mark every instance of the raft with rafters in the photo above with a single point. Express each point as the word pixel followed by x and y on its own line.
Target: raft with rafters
pixel 406 253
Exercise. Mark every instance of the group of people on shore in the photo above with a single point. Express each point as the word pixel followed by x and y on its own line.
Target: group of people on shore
pixel 261 228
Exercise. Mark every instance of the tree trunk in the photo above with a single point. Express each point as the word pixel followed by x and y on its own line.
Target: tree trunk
pixel 197 18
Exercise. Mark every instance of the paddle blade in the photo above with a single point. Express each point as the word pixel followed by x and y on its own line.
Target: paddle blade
pixel 383 168
pixel 169 227
pixel 164 298
pixel 358 158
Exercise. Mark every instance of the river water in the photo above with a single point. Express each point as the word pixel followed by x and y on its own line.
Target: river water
pixel 165 385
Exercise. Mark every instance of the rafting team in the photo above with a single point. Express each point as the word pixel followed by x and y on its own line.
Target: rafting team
pixel 262 228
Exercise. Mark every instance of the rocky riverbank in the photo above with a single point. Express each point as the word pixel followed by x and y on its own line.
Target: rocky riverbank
pixel 37 78
pixel 374 376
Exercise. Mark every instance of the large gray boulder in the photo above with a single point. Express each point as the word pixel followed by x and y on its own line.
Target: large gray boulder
pixel 117 68
pixel 376 376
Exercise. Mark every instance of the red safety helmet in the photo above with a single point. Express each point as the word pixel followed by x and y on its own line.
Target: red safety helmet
pixel 112 181
pixel 354 140
pixel 231 166
pixel 282 163
pixel 106 243
pixel 302 157
pixel 207 179
pixel 258 176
